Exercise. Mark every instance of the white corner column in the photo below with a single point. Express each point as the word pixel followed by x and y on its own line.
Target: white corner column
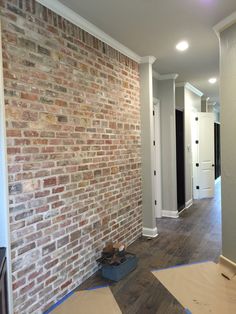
pixel 166 94
pixel 146 98
pixel 4 210
pixel 226 31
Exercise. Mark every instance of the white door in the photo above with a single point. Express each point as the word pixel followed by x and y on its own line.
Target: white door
pixel 157 158
pixel 203 155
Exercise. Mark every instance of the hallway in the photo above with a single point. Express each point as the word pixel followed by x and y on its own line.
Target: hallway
pixel 194 237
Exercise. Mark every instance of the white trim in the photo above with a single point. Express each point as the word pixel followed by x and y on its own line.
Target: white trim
pixel 189 203
pixel 157 188
pixel 182 210
pixel 4 201
pixel 162 77
pixel 171 76
pixel 219 178
pixel 151 233
pixel 190 87
pixel 228 263
pixel 148 59
pixel 81 22
pixel 170 213
pixel 227 22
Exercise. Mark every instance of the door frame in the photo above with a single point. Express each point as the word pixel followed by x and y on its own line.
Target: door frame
pixel 217 123
pixel 4 200
pixel 184 170
pixel 157 182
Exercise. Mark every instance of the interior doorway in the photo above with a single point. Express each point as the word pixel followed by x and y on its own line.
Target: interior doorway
pixel 217 150
pixel 180 164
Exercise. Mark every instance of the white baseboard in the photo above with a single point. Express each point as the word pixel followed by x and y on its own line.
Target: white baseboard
pixel 228 267
pixel 188 204
pixel 182 210
pixel 151 233
pixel 170 213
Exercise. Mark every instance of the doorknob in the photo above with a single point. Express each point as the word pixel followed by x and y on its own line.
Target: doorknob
pixel 213 165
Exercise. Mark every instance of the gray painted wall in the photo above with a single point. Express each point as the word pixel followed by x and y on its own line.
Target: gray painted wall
pixel 146 98
pixel 204 105
pixel 155 88
pixel 166 94
pixel 228 145
pixel 179 98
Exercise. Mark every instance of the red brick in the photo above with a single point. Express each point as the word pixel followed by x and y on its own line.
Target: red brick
pixel 19 283
pixel 13 133
pixel 73 151
pixel 50 182
pixel 29 96
pixel 63 179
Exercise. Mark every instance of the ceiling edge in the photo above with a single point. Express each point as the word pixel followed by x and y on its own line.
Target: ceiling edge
pixel 225 23
pixel 81 22
pixel 162 77
pixel 148 59
pixel 191 88
pixel 171 76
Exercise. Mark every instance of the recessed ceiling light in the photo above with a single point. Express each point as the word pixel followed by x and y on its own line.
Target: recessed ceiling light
pixel 212 80
pixel 182 45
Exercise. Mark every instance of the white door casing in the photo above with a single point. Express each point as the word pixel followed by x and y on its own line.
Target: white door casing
pixel 157 158
pixel 4 210
pixel 203 155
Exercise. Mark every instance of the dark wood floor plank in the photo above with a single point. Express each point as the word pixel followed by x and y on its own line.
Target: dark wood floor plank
pixel 194 237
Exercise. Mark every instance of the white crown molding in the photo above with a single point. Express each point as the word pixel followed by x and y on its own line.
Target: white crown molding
pixel 170 213
pixel 171 76
pixel 148 59
pixel 190 87
pixel 151 233
pixel 79 21
pixel 225 23
pixel 162 77
pixel 194 89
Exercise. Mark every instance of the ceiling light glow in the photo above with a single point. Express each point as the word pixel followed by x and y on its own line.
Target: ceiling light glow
pixel 212 80
pixel 182 45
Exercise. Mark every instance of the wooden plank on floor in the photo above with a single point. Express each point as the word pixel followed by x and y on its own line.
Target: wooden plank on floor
pixel 201 288
pixel 97 301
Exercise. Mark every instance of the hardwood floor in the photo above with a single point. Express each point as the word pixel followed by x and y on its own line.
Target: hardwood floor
pixel 194 237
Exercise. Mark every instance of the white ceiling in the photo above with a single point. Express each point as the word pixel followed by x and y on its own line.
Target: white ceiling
pixel 153 27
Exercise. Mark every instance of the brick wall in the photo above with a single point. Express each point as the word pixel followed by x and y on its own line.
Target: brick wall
pixel 73 134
